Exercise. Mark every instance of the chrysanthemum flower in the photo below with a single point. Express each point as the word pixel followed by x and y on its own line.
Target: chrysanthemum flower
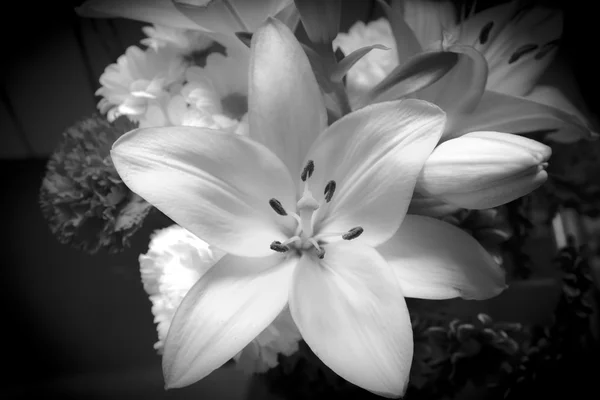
pixel 82 197
pixel 138 85
pixel 162 86
pixel 502 51
pixel 175 261
pixel 309 217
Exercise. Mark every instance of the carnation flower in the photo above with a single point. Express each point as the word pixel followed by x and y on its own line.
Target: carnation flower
pixel 82 197
pixel 175 261
pixel 139 84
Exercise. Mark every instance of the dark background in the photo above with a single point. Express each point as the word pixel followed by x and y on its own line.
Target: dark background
pixel 80 326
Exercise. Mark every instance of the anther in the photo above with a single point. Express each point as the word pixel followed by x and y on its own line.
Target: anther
pixel 320 253
pixel 547 48
pixel 485 32
pixel 521 51
pixel 353 233
pixel 329 190
pixel 276 205
pixel 308 170
pixel 277 246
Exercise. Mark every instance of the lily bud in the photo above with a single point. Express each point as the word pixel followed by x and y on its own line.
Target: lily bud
pixel 321 19
pixel 484 169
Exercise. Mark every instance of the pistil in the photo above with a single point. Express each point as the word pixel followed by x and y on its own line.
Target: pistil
pixel 303 238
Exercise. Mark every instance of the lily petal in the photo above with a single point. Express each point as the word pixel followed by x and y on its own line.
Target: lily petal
pixel 428 19
pixel 223 312
pixel 286 109
pixel 214 184
pixel 374 155
pixel 481 29
pixel 430 206
pixel 504 113
pixel 554 97
pixel 435 260
pixel 460 90
pixel 230 16
pixel 160 12
pixel 351 312
pixel 523 51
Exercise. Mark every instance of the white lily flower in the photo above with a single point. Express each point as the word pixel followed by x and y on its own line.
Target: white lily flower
pixel 503 52
pixel 311 218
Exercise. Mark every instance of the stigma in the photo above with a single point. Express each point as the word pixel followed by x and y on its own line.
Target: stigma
pixel 304 238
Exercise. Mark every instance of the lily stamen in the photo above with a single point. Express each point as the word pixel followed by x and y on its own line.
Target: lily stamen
pixel 329 191
pixel 353 233
pixel 308 170
pixel 279 247
pixel 320 250
pixel 291 240
pixel 276 205
pixel 349 235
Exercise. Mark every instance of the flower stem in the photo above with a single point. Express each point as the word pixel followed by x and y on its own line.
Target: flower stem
pixel 342 99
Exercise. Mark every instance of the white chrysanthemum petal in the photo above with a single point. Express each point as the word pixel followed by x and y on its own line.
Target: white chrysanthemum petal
pixel 139 80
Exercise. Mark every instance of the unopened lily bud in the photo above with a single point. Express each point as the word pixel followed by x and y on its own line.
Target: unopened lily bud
pixel 321 19
pixel 484 169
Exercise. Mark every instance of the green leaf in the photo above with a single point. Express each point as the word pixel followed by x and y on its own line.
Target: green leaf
pixel 417 73
pixel 406 41
pixel 342 68
pixel 321 19
pixel 289 16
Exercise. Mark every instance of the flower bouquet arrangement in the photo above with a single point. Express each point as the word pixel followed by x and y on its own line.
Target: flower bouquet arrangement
pixel 326 193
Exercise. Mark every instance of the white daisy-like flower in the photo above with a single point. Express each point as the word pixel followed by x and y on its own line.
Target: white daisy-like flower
pixel 214 96
pixel 138 84
pixel 175 261
pixel 186 41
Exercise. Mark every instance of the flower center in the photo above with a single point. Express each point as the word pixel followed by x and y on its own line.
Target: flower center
pixel 304 238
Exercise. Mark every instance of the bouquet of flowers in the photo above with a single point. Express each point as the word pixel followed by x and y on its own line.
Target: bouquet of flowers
pixel 315 189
